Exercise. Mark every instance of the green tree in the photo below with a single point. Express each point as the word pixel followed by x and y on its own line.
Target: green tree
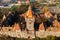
pixel 14 8
pixel 23 8
pixel 20 9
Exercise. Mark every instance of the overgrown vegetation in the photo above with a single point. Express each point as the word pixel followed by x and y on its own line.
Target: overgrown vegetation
pixel 37 38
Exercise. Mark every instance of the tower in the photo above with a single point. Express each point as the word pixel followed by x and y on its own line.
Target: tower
pixel 55 23
pixel 16 27
pixel 48 14
pixel 55 16
pixel 41 32
pixel 41 27
pixel 4 17
pixel 19 2
pixel 29 18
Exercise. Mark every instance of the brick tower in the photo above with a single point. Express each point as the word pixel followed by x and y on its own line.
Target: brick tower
pixel 29 18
